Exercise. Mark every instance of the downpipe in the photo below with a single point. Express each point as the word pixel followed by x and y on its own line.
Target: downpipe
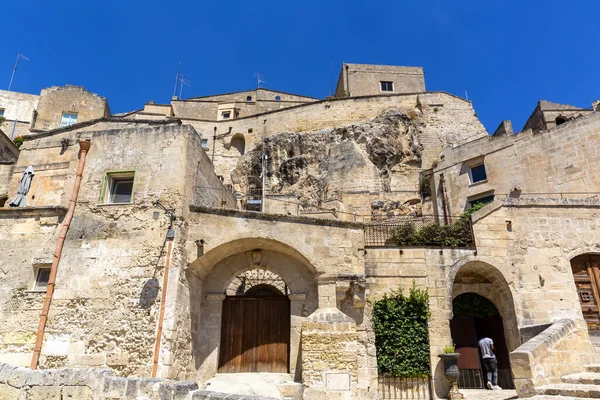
pixel 84 147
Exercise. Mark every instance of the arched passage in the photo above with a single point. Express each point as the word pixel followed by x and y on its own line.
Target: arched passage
pixel 239 143
pixel 270 283
pixel 255 327
pixel 483 306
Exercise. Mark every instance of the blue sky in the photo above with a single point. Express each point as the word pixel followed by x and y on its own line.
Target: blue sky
pixel 507 55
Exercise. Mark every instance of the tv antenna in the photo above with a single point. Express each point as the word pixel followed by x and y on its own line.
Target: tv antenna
pixel 180 81
pixel 259 79
pixel 19 56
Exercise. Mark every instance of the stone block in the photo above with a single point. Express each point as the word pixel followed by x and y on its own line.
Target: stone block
pixel 76 393
pixel 337 381
pixel 18 376
pixel 45 393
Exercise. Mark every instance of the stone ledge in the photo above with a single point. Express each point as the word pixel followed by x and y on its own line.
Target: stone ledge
pixel 275 217
pixel 45 211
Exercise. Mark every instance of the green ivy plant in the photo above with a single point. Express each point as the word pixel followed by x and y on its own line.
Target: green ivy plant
pixel 457 234
pixel 18 141
pixel 401 334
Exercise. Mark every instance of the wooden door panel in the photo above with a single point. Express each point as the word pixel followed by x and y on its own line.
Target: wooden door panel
pixel 587 280
pixel 255 334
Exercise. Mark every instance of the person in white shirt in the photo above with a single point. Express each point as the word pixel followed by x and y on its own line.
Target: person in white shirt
pixel 486 346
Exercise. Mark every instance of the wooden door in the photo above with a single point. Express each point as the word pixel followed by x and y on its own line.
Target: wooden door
pixel 255 334
pixel 587 280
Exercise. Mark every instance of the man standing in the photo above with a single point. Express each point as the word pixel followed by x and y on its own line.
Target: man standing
pixel 486 346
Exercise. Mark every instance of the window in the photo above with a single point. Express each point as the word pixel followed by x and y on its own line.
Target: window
pixel 560 120
pixel 118 187
pixel 249 130
pixel 1 112
pixel 249 98
pixel 42 276
pixel 68 119
pixel 481 200
pixel 387 86
pixel 205 144
pixel 277 98
pixel 226 114
pixel 477 173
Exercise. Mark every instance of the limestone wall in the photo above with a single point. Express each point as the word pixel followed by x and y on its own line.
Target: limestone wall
pixel 105 307
pixel 546 164
pixel 54 101
pixel 17 105
pixel 446 119
pixel 27 241
pixel 364 79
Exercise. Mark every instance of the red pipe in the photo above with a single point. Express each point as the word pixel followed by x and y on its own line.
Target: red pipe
pixel 84 147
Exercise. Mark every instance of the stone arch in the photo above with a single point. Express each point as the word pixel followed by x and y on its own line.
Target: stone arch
pixel 219 267
pixel 239 143
pixel 482 278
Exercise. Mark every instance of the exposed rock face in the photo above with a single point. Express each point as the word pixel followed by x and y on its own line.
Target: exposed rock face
pixel 321 164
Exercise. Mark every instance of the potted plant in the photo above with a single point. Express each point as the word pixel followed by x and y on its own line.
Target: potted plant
pixel 451 371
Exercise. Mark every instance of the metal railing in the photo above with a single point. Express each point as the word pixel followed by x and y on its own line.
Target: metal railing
pixel 423 231
pixel 394 388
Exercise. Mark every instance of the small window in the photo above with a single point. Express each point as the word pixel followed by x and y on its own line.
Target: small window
pixel 277 98
pixel 249 98
pixel 387 86
pixel 249 130
pixel 560 120
pixel 68 119
pixel 205 144
pixel 478 173
pixel 1 112
pixel 226 114
pixel 42 276
pixel 118 187
pixel 481 200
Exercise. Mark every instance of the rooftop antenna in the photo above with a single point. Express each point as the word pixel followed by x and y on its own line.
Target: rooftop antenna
pixel 177 80
pixel 259 79
pixel 19 56
pixel 330 78
pixel 466 95
pixel 183 82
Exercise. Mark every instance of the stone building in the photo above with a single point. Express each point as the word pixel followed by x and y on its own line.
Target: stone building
pixel 178 243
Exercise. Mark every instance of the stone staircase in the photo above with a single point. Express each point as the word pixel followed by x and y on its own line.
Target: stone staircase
pixel 576 386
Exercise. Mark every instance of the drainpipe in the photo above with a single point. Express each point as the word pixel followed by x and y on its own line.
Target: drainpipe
pixel 214 142
pixel 163 299
pixel 84 147
pixel 444 199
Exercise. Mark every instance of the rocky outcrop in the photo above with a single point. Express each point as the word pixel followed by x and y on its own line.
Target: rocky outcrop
pixel 319 165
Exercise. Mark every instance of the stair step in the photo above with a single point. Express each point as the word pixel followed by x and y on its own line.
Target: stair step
pixel 546 397
pixel 571 389
pixel 584 378
pixel 593 368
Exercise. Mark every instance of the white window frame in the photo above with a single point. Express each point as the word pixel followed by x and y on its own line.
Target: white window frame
pixel 112 178
pixel 386 91
pixel 471 173
pixel 36 278
pixel 70 120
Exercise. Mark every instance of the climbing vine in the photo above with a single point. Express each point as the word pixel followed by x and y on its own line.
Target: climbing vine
pixel 401 334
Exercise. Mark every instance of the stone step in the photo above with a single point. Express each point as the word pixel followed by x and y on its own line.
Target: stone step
pixel 571 390
pixel 545 397
pixel 584 378
pixel 593 368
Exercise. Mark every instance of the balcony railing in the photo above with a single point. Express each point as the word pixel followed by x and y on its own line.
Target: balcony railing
pixel 423 231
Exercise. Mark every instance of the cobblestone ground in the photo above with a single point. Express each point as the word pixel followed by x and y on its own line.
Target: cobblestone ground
pixel 477 394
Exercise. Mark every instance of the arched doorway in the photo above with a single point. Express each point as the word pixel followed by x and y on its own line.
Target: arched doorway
pixel 476 317
pixel 491 313
pixel 255 326
pixel 586 272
